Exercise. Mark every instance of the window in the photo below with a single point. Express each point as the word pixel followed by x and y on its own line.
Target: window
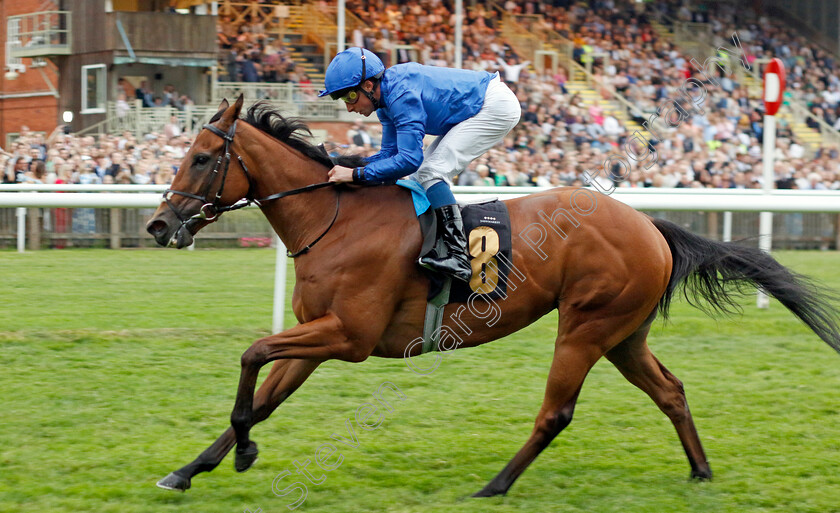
pixel 13 41
pixel 93 89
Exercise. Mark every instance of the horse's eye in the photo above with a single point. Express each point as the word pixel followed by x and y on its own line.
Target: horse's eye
pixel 200 160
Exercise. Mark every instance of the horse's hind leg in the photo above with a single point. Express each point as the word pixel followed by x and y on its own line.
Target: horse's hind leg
pixel 283 379
pixel 572 361
pixel 636 362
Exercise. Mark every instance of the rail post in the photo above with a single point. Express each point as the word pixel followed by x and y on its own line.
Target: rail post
pixel 837 233
pixel 21 229
pixel 727 226
pixel 712 225
pixel 116 239
pixel 34 229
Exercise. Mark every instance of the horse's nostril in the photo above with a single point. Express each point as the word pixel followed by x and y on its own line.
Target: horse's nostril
pixel 156 228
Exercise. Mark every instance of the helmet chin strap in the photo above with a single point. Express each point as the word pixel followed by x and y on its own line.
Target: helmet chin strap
pixel 373 100
pixel 367 93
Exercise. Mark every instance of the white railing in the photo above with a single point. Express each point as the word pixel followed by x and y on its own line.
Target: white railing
pixel 292 100
pixel 502 191
pixel 42 34
pixel 287 92
pixel 295 100
pixel 141 120
pixel 23 187
pixel 711 200
pixel 643 199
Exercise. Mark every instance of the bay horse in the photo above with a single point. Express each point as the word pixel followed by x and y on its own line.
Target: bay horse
pixel 359 292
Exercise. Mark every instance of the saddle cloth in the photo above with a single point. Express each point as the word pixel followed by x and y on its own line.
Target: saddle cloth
pixel 487 226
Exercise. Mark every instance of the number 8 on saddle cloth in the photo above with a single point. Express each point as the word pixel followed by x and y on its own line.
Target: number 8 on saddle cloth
pixel 487 226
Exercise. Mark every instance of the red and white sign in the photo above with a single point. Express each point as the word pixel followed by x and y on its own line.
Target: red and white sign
pixel 774 86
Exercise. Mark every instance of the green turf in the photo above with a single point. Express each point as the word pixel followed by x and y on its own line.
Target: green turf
pixel 121 366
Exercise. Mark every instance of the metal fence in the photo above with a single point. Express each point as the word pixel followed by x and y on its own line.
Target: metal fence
pixel 121 228
pixel 103 227
pixel 293 100
pixel 139 120
pixel 40 34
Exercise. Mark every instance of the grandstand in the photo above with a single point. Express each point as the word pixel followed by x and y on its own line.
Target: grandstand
pixel 589 75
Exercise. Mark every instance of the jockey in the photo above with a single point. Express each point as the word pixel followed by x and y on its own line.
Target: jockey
pixel 469 111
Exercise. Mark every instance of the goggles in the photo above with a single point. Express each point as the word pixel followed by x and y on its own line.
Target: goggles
pixel 351 97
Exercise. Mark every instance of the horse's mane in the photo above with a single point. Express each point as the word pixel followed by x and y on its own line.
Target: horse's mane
pixel 293 132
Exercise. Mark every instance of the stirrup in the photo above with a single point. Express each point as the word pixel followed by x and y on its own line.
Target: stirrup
pixel 465 276
pixel 423 264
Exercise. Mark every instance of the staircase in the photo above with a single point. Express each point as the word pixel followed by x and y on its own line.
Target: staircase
pixel 662 32
pixel 811 139
pixel 527 44
pixel 309 33
pixel 808 137
pixel 307 56
pixel 291 28
pixel 578 84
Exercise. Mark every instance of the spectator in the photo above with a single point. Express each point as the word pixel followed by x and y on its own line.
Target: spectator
pixel 512 71
pixel 144 94
pixel 360 136
pixel 173 128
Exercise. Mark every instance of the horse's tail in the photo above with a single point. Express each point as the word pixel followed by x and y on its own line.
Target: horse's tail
pixel 721 273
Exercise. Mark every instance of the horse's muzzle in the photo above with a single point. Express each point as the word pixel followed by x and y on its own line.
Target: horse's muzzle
pixel 166 235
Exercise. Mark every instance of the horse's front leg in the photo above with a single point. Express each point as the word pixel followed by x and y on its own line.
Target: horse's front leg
pixel 321 339
pixel 285 377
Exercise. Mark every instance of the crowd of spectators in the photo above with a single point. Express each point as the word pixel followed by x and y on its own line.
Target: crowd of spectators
pixel 66 158
pixel 813 76
pixel 170 97
pixel 249 54
pixel 62 158
pixel 560 137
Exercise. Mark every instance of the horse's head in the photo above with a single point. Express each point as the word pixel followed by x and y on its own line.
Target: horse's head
pixel 210 180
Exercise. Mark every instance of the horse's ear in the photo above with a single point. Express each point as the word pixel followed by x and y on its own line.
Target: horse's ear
pixel 222 108
pixel 237 106
pixel 229 112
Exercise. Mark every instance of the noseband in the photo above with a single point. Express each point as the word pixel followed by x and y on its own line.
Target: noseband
pixel 210 212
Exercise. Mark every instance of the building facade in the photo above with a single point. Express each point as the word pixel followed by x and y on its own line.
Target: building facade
pixel 28 94
pixel 75 57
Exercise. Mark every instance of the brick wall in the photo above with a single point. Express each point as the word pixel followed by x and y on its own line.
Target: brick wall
pixel 39 113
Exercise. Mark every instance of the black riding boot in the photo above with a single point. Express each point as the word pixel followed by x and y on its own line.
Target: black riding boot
pixel 454 262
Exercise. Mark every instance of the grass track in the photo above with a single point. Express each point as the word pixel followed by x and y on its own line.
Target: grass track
pixel 121 366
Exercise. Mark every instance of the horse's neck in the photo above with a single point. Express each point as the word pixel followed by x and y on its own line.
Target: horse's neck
pixel 297 219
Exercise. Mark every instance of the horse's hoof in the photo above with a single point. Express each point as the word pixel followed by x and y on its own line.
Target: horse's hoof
pixel 487 492
pixel 174 482
pixel 701 475
pixel 246 458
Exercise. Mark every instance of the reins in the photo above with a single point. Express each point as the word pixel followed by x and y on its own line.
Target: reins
pixel 211 211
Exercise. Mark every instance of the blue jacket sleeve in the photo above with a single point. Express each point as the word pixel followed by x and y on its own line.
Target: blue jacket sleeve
pixel 410 126
pixel 388 146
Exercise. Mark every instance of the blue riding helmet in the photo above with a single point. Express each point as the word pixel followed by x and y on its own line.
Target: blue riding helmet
pixel 349 69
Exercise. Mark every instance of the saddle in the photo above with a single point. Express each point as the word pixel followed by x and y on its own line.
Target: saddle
pixel 487 226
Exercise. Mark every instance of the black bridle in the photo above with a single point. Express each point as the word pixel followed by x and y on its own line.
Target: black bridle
pixel 210 212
